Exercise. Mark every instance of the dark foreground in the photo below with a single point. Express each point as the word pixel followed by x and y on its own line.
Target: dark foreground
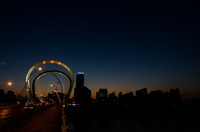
pixel 111 119
pixel 47 120
pixel 137 120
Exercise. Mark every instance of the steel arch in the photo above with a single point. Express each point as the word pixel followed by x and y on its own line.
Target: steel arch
pixel 41 63
pixel 51 71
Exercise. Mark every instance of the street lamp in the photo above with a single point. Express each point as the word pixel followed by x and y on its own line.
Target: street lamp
pixel 54 86
pixel 8 84
pixel 40 68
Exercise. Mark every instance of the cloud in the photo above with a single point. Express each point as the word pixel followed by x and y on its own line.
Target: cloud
pixel 2 63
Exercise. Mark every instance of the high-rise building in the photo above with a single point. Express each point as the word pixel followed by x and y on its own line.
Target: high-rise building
pixel 79 87
pixel 142 96
pixel 80 80
pixel 128 98
pixel 141 92
pixel 112 97
pixel 2 95
pixel 82 94
pixel 120 94
pixel 97 95
pixel 175 96
pixel 165 98
pixel 103 94
pixel 156 97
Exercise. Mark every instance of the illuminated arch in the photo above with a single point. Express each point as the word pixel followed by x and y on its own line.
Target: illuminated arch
pixel 51 71
pixel 41 63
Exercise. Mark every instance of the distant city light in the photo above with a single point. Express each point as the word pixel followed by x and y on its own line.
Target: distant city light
pixel 40 68
pixel 43 62
pixel 9 83
pixel 56 91
pixel 74 104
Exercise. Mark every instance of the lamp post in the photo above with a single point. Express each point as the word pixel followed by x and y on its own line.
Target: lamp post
pixel 40 68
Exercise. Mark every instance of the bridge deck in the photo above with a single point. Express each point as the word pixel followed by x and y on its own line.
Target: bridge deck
pixel 46 120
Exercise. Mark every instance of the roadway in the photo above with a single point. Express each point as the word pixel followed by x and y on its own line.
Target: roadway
pixel 47 120
pixel 10 109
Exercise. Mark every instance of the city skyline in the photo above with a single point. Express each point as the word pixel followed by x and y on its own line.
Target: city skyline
pixel 53 86
pixel 120 46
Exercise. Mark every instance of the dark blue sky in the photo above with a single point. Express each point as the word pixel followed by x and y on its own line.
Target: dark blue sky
pixel 119 46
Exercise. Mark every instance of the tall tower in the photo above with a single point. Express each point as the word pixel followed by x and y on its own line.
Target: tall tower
pixel 80 80
pixel 82 94
pixel 79 87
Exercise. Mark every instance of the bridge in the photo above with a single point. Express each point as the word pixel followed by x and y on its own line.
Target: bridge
pixel 57 114
pixel 39 113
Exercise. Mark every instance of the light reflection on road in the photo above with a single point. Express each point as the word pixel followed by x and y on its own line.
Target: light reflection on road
pixel 10 109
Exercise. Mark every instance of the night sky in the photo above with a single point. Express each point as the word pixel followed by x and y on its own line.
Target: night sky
pixel 120 46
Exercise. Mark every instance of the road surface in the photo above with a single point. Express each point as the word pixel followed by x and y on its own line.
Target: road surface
pixel 10 109
pixel 48 120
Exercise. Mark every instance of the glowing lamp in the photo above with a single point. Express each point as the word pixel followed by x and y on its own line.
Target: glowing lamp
pixel 40 68
pixel 43 62
pixel 9 83
pixel 59 63
pixel 52 61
